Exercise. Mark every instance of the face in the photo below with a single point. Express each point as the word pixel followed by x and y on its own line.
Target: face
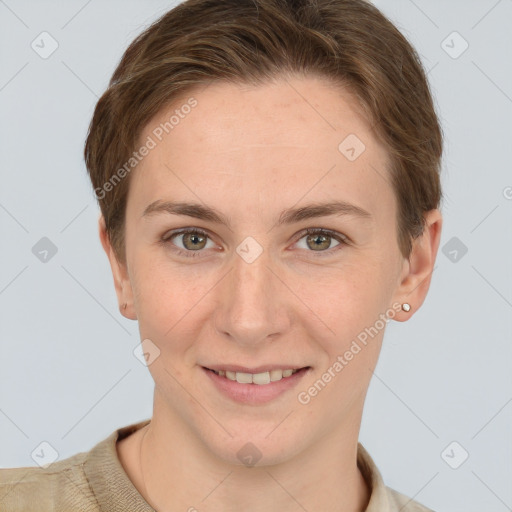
pixel 245 283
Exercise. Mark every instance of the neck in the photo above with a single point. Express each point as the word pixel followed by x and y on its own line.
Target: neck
pixel 176 473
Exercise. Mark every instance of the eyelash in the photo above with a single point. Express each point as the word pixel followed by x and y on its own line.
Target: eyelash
pixel 342 239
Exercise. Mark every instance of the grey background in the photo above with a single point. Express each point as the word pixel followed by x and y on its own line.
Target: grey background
pixel 68 375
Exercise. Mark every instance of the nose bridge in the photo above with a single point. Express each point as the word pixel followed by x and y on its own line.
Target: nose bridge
pixel 251 279
pixel 252 306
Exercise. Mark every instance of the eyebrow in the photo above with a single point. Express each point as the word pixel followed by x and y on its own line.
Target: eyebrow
pixel 289 216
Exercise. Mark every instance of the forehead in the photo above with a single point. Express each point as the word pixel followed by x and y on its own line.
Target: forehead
pixel 281 141
pixel 316 107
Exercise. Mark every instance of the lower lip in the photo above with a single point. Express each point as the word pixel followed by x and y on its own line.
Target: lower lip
pixel 254 393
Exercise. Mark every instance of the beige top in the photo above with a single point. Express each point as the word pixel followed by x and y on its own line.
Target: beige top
pixel 95 481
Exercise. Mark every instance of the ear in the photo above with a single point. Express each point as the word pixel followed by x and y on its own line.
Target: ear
pixel 417 270
pixel 122 281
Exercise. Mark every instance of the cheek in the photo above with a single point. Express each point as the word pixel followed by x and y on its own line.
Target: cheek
pixel 349 304
pixel 349 293
pixel 167 296
pixel 352 344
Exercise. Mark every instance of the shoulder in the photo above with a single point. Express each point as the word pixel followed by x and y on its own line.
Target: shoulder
pixel 400 502
pixel 61 486
pixel 383 498
pixel 88 481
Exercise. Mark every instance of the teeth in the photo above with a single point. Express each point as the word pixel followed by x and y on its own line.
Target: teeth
pixel 244 378
pixel 256 378
pixel 276 375
pixel 261 378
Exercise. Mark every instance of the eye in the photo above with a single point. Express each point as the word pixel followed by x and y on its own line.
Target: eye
pixel 192 240
pixel 319 240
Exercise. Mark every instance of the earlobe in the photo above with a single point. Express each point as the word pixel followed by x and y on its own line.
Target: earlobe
pixel 120 275
pixel 415 283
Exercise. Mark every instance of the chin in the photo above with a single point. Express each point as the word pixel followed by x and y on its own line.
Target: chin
pixel 256 450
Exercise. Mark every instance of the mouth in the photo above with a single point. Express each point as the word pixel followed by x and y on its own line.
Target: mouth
pixel 257 387
pixel 259 378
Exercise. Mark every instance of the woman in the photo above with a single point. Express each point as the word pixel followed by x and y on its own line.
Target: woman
pixel 268 177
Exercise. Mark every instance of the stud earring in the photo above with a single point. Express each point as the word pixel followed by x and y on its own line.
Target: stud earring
pixel 406 307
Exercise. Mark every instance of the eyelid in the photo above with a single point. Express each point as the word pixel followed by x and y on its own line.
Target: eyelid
pixel 343 240
pixel 166 239
pixel 181 231
pixel 340 237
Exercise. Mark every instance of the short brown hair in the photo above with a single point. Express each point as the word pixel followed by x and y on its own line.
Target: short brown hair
pixel 349 42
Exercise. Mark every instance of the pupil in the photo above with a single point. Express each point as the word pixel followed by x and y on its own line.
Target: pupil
pixel 195 238
pixel 318 240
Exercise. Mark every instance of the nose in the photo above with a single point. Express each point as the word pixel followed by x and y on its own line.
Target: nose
pixel 254 302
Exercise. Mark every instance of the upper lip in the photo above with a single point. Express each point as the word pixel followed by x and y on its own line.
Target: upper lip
pixel 258 369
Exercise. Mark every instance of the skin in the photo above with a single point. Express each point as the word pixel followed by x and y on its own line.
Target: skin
pixel 252 152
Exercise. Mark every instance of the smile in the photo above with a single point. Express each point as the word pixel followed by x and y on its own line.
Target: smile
pixel 256 378
pixel 255 388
